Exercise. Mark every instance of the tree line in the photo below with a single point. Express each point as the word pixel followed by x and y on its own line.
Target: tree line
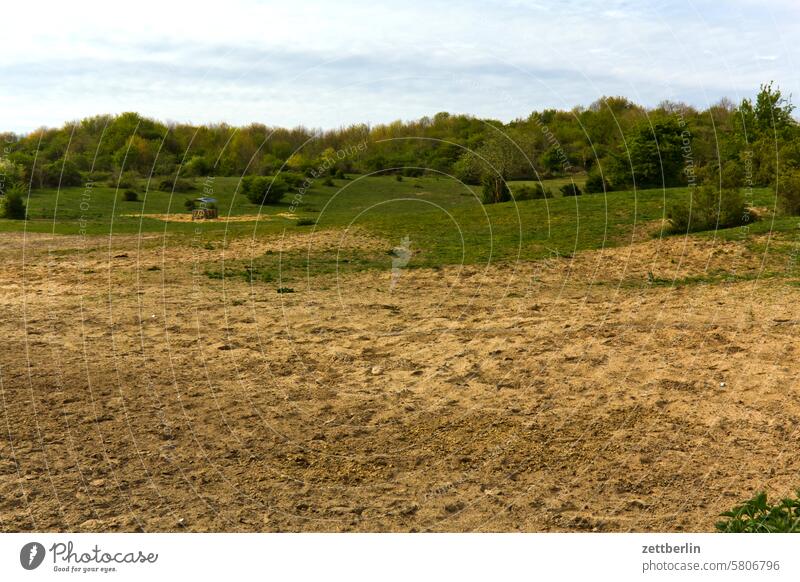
pixel 616 143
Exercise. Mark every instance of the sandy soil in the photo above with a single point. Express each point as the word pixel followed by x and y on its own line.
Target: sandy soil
pixel 559 395
pixel 187 217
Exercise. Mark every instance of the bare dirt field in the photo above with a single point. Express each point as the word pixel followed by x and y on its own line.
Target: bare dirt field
pixel 570 394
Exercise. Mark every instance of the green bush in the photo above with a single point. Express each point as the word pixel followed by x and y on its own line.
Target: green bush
pixel 292 179
pixel 198 166
pixel 595 183
pixel 398 177
pixel 758 516
pixel 14 204
pixel 468 169
pixel 495 189
pixel 341 175
pixel 530 192
pixel 306 222
pixel 176 185
pixel 327 182
pixel 789 193
pixel 189 204
pixel 706 209
pixel 11 173
pixel 130 196
pixel 127 180
pixel 570 189
pixel 61 174
pixel 264 189
pixel 99 177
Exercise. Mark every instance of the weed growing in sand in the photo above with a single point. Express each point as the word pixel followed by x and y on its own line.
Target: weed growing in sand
pixel 758 516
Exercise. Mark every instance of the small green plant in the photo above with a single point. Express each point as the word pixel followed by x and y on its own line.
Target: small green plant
pixel 328 182
pixel 177 185
pixel 534 192
pixel 285 290
pixel 130 196
pixel 758 516
pixel 265 189
pixel 341 175
pixel 14 204
pixel 596 184
pixel 398 177
pixel 126 180
pixel 570 189
pixel 189 204
pixel 708 208
pixel 788 187
pixel 495 189
pixel 305 222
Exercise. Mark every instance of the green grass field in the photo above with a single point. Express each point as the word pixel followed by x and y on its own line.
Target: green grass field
pixel 445 221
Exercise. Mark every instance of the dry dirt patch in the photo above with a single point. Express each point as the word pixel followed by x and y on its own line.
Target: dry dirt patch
pixel 514 397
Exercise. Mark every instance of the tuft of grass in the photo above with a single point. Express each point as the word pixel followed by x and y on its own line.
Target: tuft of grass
pixel 305 222
pixel 285 290
pixel 757 515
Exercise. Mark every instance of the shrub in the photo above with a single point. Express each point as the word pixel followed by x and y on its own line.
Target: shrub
pixel 189 204
pixel 100 177
pixel 398 177
pixel 495 190
pixel 758 516
pixel 126 180
pixel 532 192
pixel 306 222
pixel 341 175
pixel 62 174
pixel 570 189
pixel 11 173
pixel 130 196
pixel 176 185
pixel 14 204
pixel 705 209
pixel 264 189
pixel 595 183
pixel 468 169
pixel 292 179
pixel 198 166
pixel 654 156
pixel 789 193
pixel 327 182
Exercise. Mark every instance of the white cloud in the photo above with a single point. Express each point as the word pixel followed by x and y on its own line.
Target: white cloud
pixel 327 63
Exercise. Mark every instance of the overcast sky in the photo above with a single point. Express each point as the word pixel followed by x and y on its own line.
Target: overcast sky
pixel 330 63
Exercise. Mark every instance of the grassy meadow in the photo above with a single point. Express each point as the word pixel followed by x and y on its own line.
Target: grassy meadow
pixel 444 220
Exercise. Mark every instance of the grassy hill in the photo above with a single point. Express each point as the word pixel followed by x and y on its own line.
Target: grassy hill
pixel 444 220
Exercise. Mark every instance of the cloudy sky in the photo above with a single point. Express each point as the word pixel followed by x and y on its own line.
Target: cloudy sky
pixel 324 63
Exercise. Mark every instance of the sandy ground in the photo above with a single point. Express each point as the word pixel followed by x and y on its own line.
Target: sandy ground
pixel 137 394
pixel 187 217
